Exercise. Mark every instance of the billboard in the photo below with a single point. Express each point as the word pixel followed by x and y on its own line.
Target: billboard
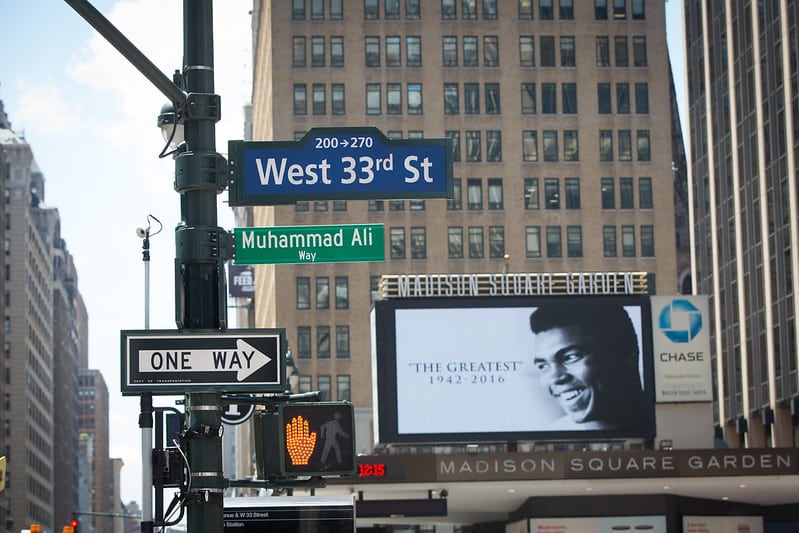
pixel 681 340
pixel 515 368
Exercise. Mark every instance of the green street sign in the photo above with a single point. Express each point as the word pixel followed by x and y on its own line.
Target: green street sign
pixel 309 244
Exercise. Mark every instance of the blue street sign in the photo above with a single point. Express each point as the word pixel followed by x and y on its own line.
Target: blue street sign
pixel 338 163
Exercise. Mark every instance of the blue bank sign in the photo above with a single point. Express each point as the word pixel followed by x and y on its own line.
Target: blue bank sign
pixel 338 163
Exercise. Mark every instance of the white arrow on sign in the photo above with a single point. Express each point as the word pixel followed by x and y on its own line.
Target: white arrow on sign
pixel 245 360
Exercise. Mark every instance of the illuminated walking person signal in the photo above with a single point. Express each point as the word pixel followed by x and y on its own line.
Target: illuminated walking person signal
pixel 330 432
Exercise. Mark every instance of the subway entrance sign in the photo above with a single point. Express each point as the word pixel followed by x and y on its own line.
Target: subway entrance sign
pixel 309 244
pixel 338 163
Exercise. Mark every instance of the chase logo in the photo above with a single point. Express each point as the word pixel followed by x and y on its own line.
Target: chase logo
pixel 680 321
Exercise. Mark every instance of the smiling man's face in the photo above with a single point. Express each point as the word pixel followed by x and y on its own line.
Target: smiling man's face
pixel 572 373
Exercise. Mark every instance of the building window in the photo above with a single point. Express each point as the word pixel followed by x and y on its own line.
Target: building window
pixel 495 197
pixel 567 55
pixel 397 240
pixel 300 99
pixel 619 9
pixel 371 9
pixel 638 9
pixel 451 99
pixel 605 145
pixel 455 242
pixel 323 342
pixel 531 202
pixel 572 188
pixel 317 51
pixel 412 10
pixel 455 203
pixel 304 384
pixel 470 51
pixel 639 51
pixel 396 205
pixel 549 99
pixel 474 194
pixel 471 98
pixel 319 95
pixel 416 205
pixel 620 47
pixel 342 292
pixel 571 146
pixel 626 193
pixel 476 246
pixel 642 98
pixel 644 151
pixel 644 193
pixel 317 9
pixel 533 242
pixel 601 9
pixel 320 206
pixel 608 192
pixel 547 46
pixel 473 150
pixel 490 51
pixel 342 342
pixel 489 9
pixel 418 243
pixel 372 51
pixel 493 146
pixel 413 51
pixel 302 206
pixel 568 93
pixel 394 98
pixel 528 99
pixel 336 9
pixel 323 293
pixel 337 99
pixel 603 51
pixel 455 142
pixel 566 9
pixel 545 10
pixel 469 10
pixel 376 205
pixel 628 241
pixel 448 10
pixel 343 393
pixel 303 293
pixel 492 106
pixel 526 51
pixel 373 99
pixel 530 145
pixel 609 241
pixel 623 98
pixel 323 384
pixel 415 99
pixel 496 242
pixel 449 50
pixel 337 51
pixel 554 246
pixel 303 342
pixel 339 205
pixel 525 9
pixel 625 145
pixel 298 52
pixel 574 241
pixel 392 10
pixel 393 51
pixel 603 99
pixel 550 145
pixel 374 288
pixel 298 10
pixel 647 241
pixel 552 193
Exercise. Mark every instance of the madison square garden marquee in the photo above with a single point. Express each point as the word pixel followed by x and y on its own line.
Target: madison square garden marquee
pixel 463 343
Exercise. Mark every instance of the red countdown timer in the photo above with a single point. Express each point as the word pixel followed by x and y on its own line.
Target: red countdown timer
pixel 372 470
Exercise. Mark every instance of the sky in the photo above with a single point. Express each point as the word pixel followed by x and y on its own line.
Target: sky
pixel 90 119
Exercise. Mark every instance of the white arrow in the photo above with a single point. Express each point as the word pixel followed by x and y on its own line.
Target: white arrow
pixel 245 359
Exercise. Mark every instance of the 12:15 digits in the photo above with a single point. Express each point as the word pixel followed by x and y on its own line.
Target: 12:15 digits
pixel 472 379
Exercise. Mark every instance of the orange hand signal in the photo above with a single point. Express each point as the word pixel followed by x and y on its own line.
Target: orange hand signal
pixel 300 442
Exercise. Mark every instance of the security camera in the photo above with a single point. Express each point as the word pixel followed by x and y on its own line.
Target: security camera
pixel 141 233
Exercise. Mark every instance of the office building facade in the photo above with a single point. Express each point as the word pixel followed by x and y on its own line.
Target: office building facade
pixel 742 96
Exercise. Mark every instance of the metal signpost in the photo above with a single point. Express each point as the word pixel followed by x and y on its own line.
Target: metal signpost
pixel 310 244
pixel 338 163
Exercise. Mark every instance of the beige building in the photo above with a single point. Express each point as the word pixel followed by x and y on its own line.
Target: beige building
pixel 560 119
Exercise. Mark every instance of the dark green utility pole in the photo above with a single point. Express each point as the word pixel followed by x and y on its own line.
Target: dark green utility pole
pixel 201 247
pixel 201 250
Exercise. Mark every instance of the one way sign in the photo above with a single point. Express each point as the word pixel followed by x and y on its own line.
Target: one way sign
pixel 170 362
